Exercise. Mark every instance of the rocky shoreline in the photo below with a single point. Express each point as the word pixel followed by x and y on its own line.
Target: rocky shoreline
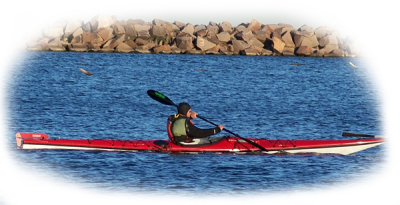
pixel 107 34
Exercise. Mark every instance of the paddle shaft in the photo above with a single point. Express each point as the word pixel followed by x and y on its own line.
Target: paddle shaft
pixel 347 134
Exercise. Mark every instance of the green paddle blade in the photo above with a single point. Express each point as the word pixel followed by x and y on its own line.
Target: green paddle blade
pixel 157 96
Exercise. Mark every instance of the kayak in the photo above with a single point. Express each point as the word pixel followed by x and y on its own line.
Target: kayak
pixel 228 144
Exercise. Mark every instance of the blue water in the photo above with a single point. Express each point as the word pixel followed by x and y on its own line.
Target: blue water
pixel 260 97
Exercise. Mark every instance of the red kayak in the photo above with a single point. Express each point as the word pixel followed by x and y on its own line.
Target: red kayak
pixel 229 144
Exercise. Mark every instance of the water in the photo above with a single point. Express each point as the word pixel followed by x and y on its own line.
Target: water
pixel 261 97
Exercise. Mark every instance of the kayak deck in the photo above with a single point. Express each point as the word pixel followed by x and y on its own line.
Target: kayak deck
pixel 227 144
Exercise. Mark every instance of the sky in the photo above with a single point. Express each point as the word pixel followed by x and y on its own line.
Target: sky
pixel 352 17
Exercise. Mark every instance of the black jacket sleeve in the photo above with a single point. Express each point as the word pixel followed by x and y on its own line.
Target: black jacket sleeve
pixel 195 132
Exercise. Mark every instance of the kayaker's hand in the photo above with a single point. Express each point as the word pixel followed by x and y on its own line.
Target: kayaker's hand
pixel 221 127
pixel 193 115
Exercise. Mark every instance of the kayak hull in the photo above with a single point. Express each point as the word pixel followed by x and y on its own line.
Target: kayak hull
pixel 227 144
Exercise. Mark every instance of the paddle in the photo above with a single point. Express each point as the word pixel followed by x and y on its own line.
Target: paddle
pixel 348 134
pixel 157 96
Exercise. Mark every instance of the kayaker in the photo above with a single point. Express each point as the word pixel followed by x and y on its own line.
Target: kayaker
pixel 185 132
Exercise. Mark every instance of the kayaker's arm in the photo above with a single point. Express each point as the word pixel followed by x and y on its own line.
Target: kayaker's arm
pixel 195 132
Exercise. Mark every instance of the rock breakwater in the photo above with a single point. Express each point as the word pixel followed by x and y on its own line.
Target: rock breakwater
pixel 107 34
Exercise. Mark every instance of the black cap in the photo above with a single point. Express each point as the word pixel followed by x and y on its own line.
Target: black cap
pixel 183 108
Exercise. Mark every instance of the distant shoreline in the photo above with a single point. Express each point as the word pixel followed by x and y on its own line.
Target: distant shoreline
pixel 107 34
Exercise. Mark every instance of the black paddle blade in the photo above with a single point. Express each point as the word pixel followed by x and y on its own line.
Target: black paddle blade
pixel 348 134
pixel 157 96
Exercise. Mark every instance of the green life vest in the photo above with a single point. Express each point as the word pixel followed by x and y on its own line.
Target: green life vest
pixel 179 127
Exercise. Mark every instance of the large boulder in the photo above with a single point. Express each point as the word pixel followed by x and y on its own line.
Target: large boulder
pixel 142 31
pixel 77 47
pixel 159 22
pixel 113 43
pixel 251 51
pixel 118 29
pixel 239 45
pixel 202 33
pixel 224 37
pixel 123 48
pixel 101 21
pixel 158 34
pixel 130 31
pixel 244 35
pixel 330 47
pixel 179 24
pixel 91 38
pixel 314 41
pixel 212 37
pixel 184 42
pixel 188 29
pixel 105 33
pixel 255 42
pixel 278 44
pixel 254 25
pixel 304 51
pixel 288 51
pixel 53 32
pixel 287 39
pixel 199 27
pixel 328 39
pixel 162 49
pixel 213 29
pixel 306 28
pixel 5 29
pixel 225 27
pixel 55 45
pixel 204 44
pixel 72 26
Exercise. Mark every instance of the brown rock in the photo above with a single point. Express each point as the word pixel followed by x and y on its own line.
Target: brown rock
pixel 304 51
pixel 306 42
pixel 224 37
pixel 55 45
pixel 335 53
pixel 188 29
pixel 159 22
pixel 77 39
pixel 249 52
pixel 113 43
pixel 118 29
pixel 314 41
pixel 132 44
pixel 330 47
pixel 287 39
pixel 225 28
pixel 184 42
pixel 158 34
pixel 353 48
pixel 204 44
pixel 288 51
pixel 239 45
pixel 278 44
pixel 308 29
pixel 72 26
pixel 135 22
pixel 194 52
pixel 77 47
pixel 175 49
pixel 5 29
pixel 130 31
pixel 162 49
pixel 244 35
pixel 124 48
pixel 179 24
pixel 213 29
pixel 101 21
pixel 202 33
pixel 91 38
pixel 87 27
pixel 254 41
pixel 320 32
pixel 53 32
pixel 254 25
pixel 105 33
pixel 213 38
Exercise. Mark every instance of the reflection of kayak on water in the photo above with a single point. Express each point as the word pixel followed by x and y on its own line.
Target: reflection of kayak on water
pixel 230 144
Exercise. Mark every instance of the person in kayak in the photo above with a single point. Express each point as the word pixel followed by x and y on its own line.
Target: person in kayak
pixel 183 130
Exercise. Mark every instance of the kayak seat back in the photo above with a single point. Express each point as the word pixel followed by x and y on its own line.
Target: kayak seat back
pixel 170 135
